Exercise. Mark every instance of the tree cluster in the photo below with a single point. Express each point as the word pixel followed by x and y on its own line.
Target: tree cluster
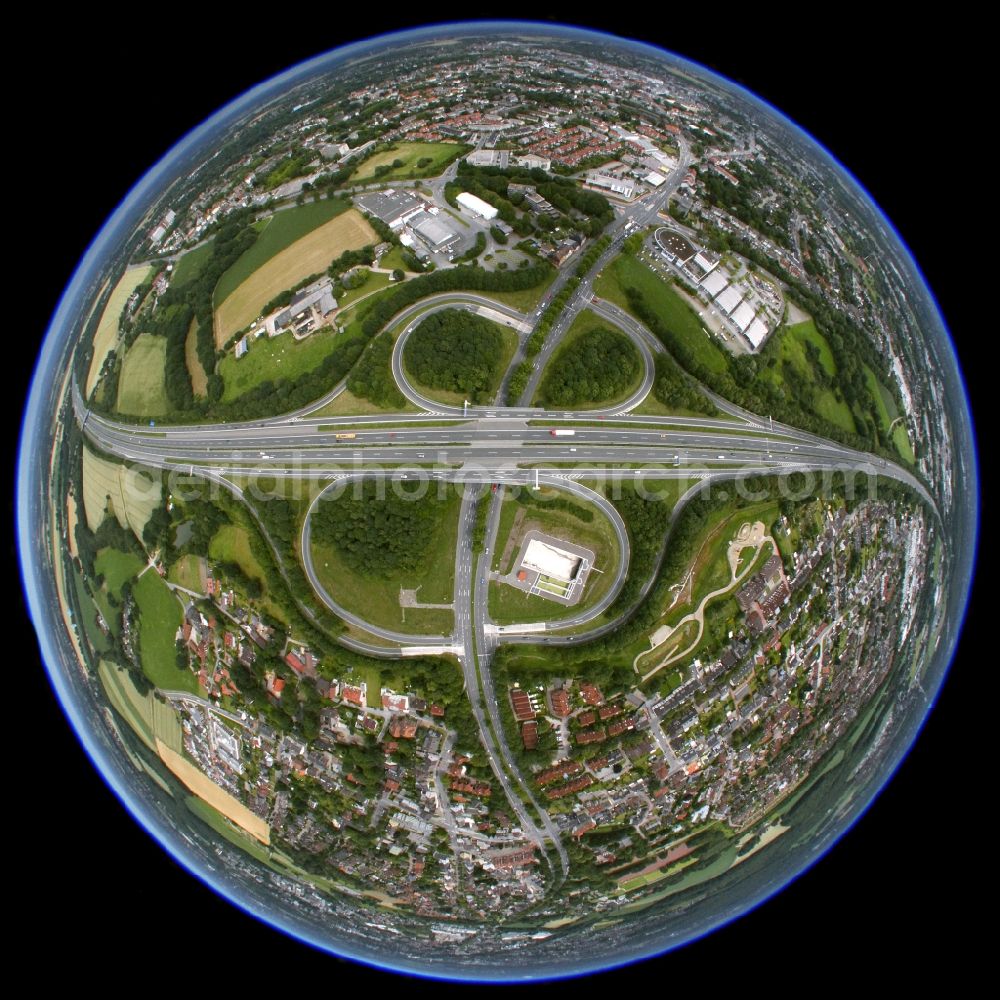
pixel 598 365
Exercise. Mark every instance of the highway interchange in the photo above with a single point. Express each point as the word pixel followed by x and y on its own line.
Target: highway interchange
pixel 484 445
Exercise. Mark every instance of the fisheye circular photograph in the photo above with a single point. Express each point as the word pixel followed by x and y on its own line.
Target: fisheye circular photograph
pixel 496 501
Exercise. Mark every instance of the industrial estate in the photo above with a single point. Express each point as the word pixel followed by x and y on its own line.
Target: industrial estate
pixel 495 491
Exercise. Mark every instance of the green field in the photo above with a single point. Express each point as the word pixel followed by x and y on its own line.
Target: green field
pixel 587 320
pixel 106 336
pixel 788 346
pixel 88 610
pixel 509 604
pixel 626 271
pixel 231 543
pixel 888 413
pixel 274 358
pixel 189 266
pixel 186 572
pixel 282 230
pixel 440 154
pixel 116 567
pixel 199 377
pixel 376 598
pixel 160 616
pixel 141 391
pixel 375 281
pixel 393 259
pixel 149 718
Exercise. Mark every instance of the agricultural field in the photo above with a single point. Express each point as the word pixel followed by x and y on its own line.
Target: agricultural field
pixel 199 377
pixel 134 494
pixel 141 389
pixel 277 232
pixel 279 270
pixel 417 159
pixel 626 271
pixel 106 336
pixel 150 718
pixel 160 615
pixel 218 798
pixel 189 572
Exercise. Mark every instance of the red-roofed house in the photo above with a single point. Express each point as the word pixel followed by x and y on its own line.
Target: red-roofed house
pixel 295 663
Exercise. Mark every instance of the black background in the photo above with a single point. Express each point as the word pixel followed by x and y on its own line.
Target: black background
pixel 105 102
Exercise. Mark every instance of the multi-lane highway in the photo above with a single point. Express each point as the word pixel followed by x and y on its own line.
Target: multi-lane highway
pixel 507 446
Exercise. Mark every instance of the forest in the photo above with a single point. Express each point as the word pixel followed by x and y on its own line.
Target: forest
pixel 598 365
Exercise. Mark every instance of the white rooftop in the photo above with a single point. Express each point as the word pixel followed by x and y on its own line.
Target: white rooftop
pixel 743 315
pixel 756 332
pixel 654 178
pixel 714 283
pixel 550 561
pixel 729 299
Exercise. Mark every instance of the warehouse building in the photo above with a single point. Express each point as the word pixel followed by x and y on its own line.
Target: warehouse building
pixel 433 231
pixel 476 205
pixel 393 207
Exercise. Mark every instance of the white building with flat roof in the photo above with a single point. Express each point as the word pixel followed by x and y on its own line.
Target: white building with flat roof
pixel 654 179
pixel 476 205
pixel 756 332
pixel 550 561
pixel 743 315
pixel 714 283
pixel 729 299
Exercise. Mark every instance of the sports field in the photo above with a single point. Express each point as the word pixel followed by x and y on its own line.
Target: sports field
pixel 141 392
pixel 134 494
pixel 210 792
pixel 312 254
pixel 418 159
pixel 107 330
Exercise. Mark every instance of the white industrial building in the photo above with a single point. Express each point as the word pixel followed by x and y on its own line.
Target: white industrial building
pixel 550 561
pixel 476 205
pixel 756 332
pixel 714 282
pixel 654 179
pixel 703 261
pixel 743 315
pixel 616 185
pixel 729 299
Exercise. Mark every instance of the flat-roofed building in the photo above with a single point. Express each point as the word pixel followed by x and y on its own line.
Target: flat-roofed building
pixel 489 158
pixel 729 299
pixel 436 233
pixel 533 162
pixel 550 561
pixel 654 179
pixel 616 185
pixel 704 262
pixel 756 333
pixel 743 315
pixel 476 205
pixel 392 206
pixel 714 283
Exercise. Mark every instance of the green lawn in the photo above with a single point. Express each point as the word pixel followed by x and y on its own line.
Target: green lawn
pixel 525 301
pixel 160 615
pixel 375 281
pixel 231 543
pixel 627 271
pixel 509 604
pixel 393 259
pixel 141 391
pixel 88 611
pixel 281 231
pixel 788 346
pixel 440 154
pixel 116 567
pixel 274 358
pixel 189 266
pixel 376 598
pixel 888 411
